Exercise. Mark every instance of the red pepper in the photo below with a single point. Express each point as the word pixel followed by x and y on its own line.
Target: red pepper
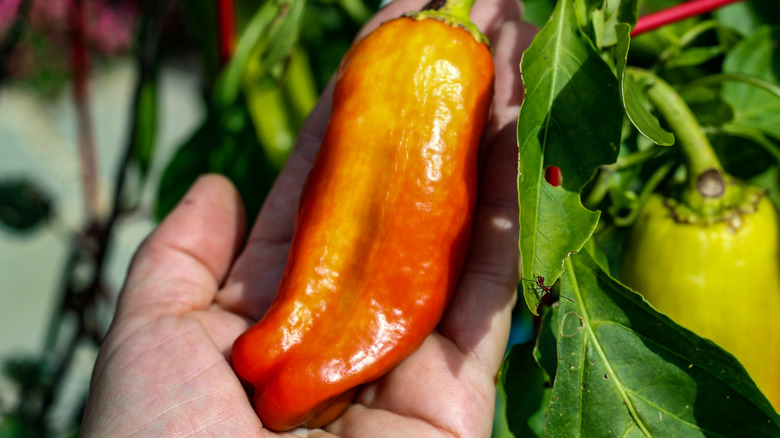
pixel 383 222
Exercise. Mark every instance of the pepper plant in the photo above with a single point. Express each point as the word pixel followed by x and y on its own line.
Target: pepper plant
pixel 605 361
pixel 627 120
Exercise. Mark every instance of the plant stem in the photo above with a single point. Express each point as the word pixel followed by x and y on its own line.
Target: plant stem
pixel 647 190
pixel 457 8
pixel 601 187
pixel 678 115
pixel 686 39
pixel 453 12
pixel 676 13
pixel 79 59
pixel 90 246
pixel 706 179
pixel 733 77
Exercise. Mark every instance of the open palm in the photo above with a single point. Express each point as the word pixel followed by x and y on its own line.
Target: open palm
pixel 195 285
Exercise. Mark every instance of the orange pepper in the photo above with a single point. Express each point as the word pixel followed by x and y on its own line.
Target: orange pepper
pixel 383 223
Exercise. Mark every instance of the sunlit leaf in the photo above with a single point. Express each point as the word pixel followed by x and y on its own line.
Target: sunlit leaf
pixel 754 107
pixel 626 370
pixel 570 118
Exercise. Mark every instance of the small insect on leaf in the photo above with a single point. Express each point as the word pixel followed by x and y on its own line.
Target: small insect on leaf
pixel 542 291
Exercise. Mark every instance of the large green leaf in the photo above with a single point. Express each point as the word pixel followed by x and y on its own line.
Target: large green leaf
pixel 754 107
pixel 626 370
pixel 571 118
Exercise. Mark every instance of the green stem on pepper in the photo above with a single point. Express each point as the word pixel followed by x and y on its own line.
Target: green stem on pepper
pixel 707 189
pixel 453 12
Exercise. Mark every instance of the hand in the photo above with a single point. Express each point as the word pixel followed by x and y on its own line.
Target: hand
pixel 163 369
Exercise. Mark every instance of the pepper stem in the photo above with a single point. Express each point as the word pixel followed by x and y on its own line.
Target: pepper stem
pixel 452 12
pixel 457 8
pixel 707 185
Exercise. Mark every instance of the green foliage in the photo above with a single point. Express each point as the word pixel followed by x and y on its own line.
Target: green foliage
pixel 201 21
pixel 23 205
pixel 226 144
pixel 608 364
pixel 259 100
pixel 571 104
pixel 755 108
pixel 538 12
pixel 619 359
pixel 527 390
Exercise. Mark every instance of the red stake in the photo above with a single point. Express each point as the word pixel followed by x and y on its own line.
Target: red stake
pixel 677 13
pixel 226 15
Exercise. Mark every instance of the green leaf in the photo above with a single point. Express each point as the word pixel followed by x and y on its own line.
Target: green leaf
pixel 16 426
pixel 225 144
pixel 23 205
pixel 571 118
pixel 145 120
pixel 636 104
pixel 546 350
pixel 626 370
pixel 694 56
pixel 754 107
pixel 29 373
pixel 739 17
pixel 610 16
pixel 538 12
pixel 527 390
pixel 327 33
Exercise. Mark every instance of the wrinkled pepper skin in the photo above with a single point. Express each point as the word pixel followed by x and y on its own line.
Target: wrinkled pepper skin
pixel 722 281
pixel 383 223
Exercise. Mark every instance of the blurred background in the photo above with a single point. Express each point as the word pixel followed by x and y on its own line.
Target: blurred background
pixel 109 110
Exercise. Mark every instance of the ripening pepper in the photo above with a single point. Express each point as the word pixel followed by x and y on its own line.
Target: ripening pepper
pixel 719 280
pixel 708 255
pixel 383 222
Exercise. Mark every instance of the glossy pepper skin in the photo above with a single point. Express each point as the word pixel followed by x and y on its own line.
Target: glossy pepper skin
pixel 722 281
pixel 383 223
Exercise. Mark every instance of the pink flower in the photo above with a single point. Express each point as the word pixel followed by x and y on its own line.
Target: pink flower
pixel 8 11
pixel 111 29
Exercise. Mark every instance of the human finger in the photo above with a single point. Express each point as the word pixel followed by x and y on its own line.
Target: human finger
pixel 180 266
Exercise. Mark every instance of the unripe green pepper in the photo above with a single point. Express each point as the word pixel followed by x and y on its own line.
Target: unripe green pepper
pixel 708 255
pixel 720 280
